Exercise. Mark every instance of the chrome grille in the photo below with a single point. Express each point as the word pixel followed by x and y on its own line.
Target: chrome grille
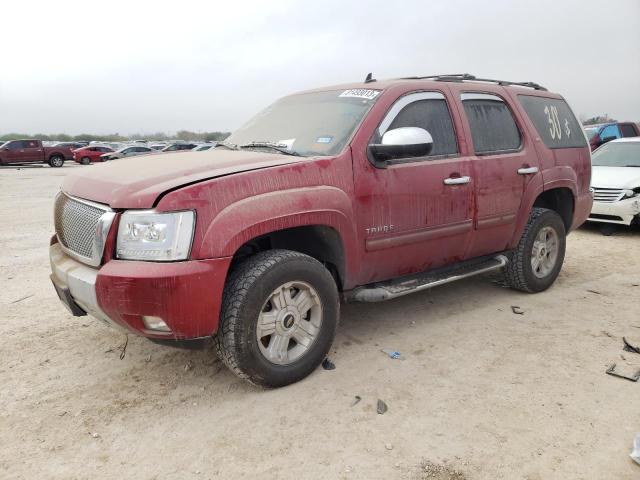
pixel 81 227
pixel 607 195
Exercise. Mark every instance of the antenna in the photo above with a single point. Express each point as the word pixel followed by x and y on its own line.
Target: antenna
pixel 369 78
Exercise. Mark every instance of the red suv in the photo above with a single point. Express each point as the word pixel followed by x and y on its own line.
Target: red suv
pixel 90 154
pixel 361 192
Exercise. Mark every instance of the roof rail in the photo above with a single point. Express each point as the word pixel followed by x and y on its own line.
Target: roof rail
pixel 461 77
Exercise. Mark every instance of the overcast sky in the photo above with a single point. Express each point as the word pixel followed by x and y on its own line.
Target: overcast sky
pixel 145 66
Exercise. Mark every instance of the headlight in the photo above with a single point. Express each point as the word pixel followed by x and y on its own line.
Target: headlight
pixel 154 236
pixel 631 193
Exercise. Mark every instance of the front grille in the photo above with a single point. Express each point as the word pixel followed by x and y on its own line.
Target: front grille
pixel 78 226
pixel 607 195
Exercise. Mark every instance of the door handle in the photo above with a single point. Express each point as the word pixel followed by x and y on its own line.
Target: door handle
pixel 527 170
pixel 457 180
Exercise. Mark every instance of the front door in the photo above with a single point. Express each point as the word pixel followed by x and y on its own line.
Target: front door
pixel 417 213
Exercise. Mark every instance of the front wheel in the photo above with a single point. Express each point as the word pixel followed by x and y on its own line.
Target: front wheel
pixel 536 262
pixel 279 316
pixel 56 161
pixel 85 161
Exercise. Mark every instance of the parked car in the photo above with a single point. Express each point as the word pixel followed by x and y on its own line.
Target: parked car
pixel 361 192
pixel 32 151
pixel 204 147
pixel 128 151
pixel 91 154
pixel 158 146
pixel 175 147
pixel 616 182
pixel 605 132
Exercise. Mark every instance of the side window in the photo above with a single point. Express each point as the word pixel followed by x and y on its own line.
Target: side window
pixel 426 110
pixel 30 144
pixel 628 130
pixel 493 128
pixel 17 145
pixel 554 121
pixel 610 131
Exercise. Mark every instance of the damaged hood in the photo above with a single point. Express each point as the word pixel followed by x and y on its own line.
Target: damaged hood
pixel 615 177
pixel 136 182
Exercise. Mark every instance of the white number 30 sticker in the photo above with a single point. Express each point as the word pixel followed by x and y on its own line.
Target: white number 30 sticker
pixel 554 123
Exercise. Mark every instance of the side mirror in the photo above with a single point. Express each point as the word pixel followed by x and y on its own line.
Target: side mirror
pixel 405 142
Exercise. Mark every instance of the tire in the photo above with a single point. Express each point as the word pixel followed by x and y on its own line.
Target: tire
pixel 250 300
pixel 85 161
pixel 56 161
pixel 520 273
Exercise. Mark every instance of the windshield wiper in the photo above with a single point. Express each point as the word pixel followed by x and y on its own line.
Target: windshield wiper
pixel 278 147
pixel 230 146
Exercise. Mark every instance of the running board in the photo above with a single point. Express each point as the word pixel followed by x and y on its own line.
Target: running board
pixel 379 292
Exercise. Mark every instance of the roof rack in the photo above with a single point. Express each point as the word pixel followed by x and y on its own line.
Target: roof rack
pixel 461 77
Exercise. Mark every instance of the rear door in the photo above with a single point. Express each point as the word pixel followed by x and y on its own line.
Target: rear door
pixel 32 151
pixel 503 164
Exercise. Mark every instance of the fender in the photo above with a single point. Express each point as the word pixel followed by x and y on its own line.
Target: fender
pixel 557 177
pixel 273 211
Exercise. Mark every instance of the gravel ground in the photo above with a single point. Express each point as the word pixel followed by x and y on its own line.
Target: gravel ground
pixel 482 394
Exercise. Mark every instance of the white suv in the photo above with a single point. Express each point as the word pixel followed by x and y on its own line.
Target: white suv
pixel 615 179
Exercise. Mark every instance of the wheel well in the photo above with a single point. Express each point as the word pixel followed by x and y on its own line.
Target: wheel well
pixel 55 154
pixel 318 241
pixel 561 201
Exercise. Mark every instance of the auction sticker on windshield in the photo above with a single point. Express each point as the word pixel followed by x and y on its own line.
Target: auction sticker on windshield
pixel 360 93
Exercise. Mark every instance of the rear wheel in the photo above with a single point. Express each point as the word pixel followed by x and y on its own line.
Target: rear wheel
pixel 56 161
pixel 536 262
pixel 278 319
pixel 85 161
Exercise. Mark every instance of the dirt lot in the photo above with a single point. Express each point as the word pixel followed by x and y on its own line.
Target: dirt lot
pixel 483 393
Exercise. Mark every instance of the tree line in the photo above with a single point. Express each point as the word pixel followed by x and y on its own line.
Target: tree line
pixel 116 137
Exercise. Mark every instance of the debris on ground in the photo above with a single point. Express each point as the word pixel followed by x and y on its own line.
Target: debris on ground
pixel 94 434
pixel 630 348
pixel 517 310
pixel 632 378
pixel 20 299
pixel 388 446
pixel 381 407
pixel 123 348
pixel 356 400
pixel 188 366
pixel 433 471
pixel 594 291
pixel 328 364
pixel 635 454
pixel 393 354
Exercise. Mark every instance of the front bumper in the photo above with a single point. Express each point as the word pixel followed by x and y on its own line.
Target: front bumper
pixel 622 212
pixel 185 295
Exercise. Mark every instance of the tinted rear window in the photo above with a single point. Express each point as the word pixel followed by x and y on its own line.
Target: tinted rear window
pixel 492 126
pixel 627 130
pixel 554 121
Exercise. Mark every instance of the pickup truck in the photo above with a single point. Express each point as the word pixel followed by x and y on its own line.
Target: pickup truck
pixel 32 151
pixel 360 192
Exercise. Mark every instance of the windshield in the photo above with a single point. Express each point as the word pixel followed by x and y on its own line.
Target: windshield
pixel 617 154
pixel 591 132
pixel 308 124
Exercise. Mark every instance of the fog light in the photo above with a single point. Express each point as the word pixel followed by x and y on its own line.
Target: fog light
pixel 155 323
